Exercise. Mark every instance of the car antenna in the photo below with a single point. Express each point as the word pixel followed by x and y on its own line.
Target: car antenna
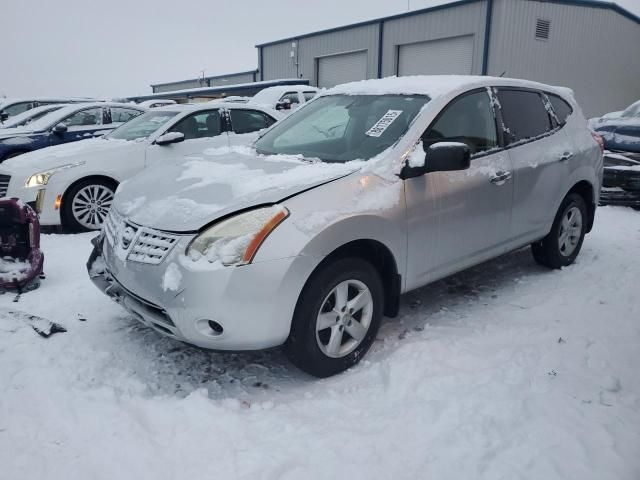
pixel 503 73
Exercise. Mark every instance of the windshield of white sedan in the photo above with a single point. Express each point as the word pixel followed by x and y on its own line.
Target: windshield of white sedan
pixel 142 126
pixel 340 128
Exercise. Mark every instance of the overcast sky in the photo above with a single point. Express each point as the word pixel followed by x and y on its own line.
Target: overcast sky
pixel 119 47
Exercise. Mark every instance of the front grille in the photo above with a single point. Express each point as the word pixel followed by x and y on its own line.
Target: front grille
pixel 4 184
pixel 151 247
pixel 135 243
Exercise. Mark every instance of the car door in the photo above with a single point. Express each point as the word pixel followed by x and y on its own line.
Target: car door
pixel 539 151
pixel 246 125
pixel 202 130
pixel 459 218
pixel 80 125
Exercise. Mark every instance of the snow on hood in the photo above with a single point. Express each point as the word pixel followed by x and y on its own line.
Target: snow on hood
pixel 58 155
pixel 188 194
pixel 15 132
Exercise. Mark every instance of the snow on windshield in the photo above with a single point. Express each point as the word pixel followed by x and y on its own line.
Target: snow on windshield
pixel 341 128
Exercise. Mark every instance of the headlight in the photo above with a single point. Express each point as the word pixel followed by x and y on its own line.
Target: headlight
pixel 42 178
pixel 236 240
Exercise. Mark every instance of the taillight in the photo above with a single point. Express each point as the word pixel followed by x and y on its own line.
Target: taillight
pixel 599 140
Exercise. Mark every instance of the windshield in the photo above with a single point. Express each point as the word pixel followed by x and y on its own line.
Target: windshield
pixel 340 128
pixel 142 126
pixel 632 111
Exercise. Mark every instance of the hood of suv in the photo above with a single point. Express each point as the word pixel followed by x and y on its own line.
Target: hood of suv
pixel 186 195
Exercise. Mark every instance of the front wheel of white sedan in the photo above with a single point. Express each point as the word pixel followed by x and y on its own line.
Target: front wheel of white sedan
pixel 336 318
pixel 86 205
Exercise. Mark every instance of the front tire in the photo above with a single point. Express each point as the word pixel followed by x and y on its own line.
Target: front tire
pixel 86 204
pixel 337 317
pixel 563 243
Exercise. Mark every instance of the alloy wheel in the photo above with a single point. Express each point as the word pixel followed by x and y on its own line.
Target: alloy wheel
pixel 344 318
pixel 570 231
pixel 91 205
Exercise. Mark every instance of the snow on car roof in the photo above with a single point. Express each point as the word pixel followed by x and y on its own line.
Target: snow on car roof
pixel 431 85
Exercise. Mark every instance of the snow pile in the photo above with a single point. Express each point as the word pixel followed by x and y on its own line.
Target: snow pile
pixel 506 371
pixel 172 278
pixel 12 269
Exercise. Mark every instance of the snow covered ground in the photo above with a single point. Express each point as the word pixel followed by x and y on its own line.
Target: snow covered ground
pixel 506 371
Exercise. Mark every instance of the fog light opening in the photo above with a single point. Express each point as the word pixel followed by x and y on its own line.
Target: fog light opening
pixel 215 327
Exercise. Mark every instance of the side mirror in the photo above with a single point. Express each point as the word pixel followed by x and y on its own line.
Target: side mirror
pixel 169 138
pixel 284 105
pixel 60 128
pixel 441 157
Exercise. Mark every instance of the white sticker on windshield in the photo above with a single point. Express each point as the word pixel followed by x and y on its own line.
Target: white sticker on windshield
pixel 382 124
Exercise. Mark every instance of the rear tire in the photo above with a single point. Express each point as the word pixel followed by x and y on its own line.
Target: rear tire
pixel 337 317
pixel 563 243
pixel 86 204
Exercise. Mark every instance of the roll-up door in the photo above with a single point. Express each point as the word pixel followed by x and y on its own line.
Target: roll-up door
pixel 446 56
pixel 343 68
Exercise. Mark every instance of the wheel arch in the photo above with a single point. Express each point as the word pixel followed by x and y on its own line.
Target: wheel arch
pixel 381 258
pixel 585 189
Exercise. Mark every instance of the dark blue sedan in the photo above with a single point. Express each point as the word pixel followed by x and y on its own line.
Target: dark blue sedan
pixel 68 124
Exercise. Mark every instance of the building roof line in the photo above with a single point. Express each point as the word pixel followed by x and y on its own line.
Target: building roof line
pixel 583 3
pixel 195 92
pixel 214 77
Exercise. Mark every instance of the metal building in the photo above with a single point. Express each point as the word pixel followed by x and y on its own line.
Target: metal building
pixel 592 47
pixel 216 81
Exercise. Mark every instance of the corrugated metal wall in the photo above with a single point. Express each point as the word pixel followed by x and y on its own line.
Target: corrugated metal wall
pixel 278 62
pixel 594 51
pixel 450 22
pixel 231 80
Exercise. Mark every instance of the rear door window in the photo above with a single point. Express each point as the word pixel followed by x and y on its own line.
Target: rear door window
pixel 468 119
pixel 309 95
pixel 524 115
pixel 561 108
pixel 246 121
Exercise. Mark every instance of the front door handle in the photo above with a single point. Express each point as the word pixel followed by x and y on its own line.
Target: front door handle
pixel 499 178
pixel 566 156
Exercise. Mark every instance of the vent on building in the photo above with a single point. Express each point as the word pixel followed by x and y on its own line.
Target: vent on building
pixel 542 29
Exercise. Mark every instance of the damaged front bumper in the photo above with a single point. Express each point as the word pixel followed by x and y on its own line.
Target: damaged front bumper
pixel 231 308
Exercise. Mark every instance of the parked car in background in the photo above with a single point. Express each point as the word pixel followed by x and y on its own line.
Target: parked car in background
pixel 156 103
pixel 74 184
pixel 631 111
pixel 621 182
pixel 373 189
pixel 285 97
pixel 621 134
pixel 29 116
pixel 14 106
pixel 67 124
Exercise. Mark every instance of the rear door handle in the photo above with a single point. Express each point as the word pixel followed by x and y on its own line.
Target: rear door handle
pixel 499 178
pixel 566 156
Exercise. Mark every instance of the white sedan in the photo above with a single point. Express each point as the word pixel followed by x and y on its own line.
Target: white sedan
pixel 74 184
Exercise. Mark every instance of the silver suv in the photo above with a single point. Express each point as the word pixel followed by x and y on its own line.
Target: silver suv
pixel 373 189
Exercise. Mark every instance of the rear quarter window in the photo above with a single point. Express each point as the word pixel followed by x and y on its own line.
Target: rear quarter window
pixel 524 115
pixel 561 108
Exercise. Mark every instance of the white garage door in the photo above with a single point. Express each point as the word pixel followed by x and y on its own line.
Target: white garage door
pixel 343 68
pixel 447 56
